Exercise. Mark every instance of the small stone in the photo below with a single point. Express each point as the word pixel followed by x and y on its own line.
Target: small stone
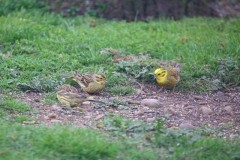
pixel 145 108
pixel 138 91
pixel 111 110
pixel 56 108
pixel 184 104
pixel 219 93
pixel 170 111
pixel 86 103
pixel 56 121
pixel 186 125
pixel 151 102
pixel 150 119
pixel 139 113
pixel 228 109
pixel 206 110
pixel 100 116
pixel 87 117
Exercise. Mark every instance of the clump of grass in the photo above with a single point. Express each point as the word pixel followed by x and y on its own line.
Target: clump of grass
pixel 41 84
pixel 50 98
pixel 120 125
pixel 172 143
pixel 228 71
pixel 12 105
pixel 194 144
pixel 36 47
pixel 14 110
pixel 122 90
pixel 209 148
pixel 61 142
pixel 53 45
pixel 142 72
pixel 223 75
pixel 8 6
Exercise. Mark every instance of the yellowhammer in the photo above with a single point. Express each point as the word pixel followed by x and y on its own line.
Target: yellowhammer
pixel 70 97
pixel 167 78
pixel 91 83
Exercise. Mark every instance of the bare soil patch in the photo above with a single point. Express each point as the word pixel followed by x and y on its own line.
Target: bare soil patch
pixel 219 110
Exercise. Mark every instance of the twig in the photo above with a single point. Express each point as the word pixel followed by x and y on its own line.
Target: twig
pixel 141 87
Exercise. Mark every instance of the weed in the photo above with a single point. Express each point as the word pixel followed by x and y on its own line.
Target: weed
pixel 122 90
pixel 8 6
pixel 49 98
pixel 13 110
pixel 12 105
pixel 55 45
pixel 36 47
pixel 60 142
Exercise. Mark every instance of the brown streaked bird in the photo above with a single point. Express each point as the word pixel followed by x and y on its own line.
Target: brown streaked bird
pixel 91 83
pixel 70 97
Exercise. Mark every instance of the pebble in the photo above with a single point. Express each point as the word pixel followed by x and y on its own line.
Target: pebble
pixel 206 110
pixel 185 105
pixel 111 110
pixel 170 111
pixel 86 103
pixel 56 108
pixel 56 121
pixel 138 91
pixel 228 109
pixel 139 113
pixel 100 116
pixel 219 93
pixel 150 119
pixel 151 102
pixel 87 117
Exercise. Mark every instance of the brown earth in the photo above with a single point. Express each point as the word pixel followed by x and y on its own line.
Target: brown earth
pixel 219 110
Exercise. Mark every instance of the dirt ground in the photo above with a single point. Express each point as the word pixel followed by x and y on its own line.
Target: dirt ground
pixel 219 110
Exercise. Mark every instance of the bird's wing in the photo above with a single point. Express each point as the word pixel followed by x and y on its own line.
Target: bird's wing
pixel 86 79
pixel 174 74
pixel 67 88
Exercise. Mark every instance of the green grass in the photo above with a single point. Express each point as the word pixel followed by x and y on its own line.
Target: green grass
pixel 12 110
pixel 50 98
pixel 36 47
pixel 128 140
pixel 122 90
pixel 31 142
pixel 208 48
pixel 195 144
